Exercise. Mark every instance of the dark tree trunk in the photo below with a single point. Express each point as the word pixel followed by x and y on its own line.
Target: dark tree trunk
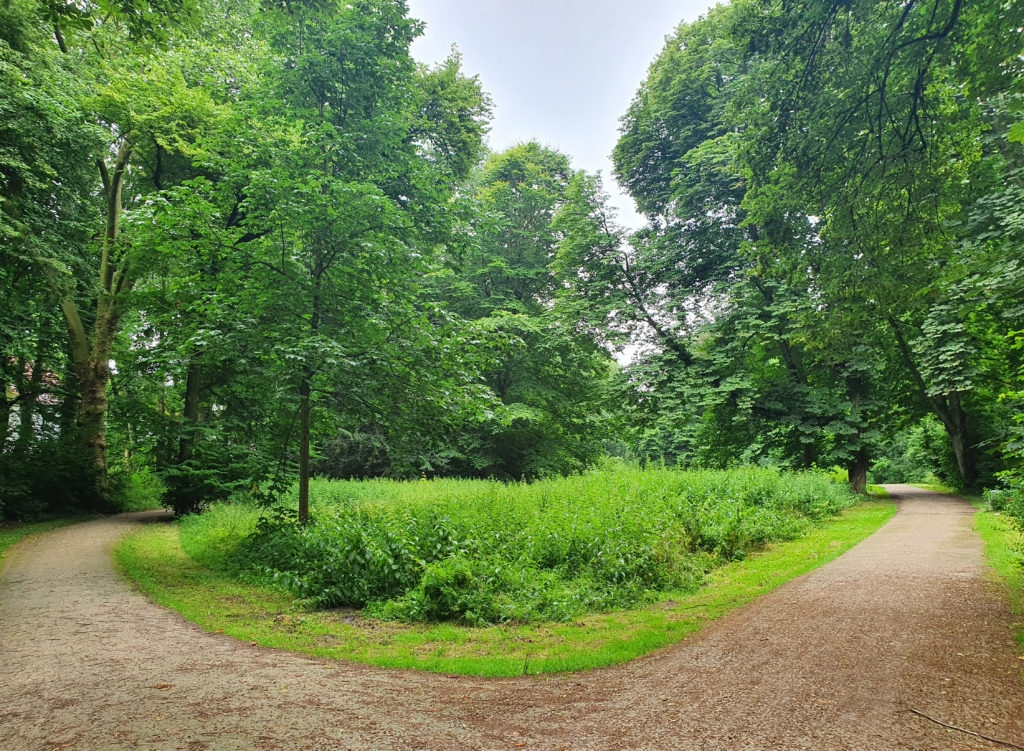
pixel 29 402
pixel 69 406
pixel 304 429
pixel 857 471
pixel 306 406
pixel 5 415
pixel 185 489
pixel 188 439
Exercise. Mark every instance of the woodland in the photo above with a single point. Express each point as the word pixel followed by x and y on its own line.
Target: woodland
pixel 247 243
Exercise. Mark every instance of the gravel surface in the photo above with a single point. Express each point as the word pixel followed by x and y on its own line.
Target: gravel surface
pixel 837 659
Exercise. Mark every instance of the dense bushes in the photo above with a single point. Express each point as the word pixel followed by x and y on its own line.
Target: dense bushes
pixel 44 478
pixel 486 552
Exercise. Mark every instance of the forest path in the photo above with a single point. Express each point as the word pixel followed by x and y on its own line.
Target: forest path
pixel 833 660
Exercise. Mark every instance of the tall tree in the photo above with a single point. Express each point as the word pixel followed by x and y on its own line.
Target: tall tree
pixel 801 166
pixel 553 383
pixel 116 77
pixel 354 207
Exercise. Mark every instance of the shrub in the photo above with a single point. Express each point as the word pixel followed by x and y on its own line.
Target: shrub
pixel 487 552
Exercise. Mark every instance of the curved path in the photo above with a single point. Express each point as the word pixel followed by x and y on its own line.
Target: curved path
pixel 833 660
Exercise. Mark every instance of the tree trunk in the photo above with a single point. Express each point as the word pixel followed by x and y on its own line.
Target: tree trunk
pixel 186 489
pixel 306 406
pixel 949 409
pixel 24 388
pixel 305 409
pixel 954 420
pixel 92 413
pixel 91 360
pixel 5 414
pixel 30 399
pixel 69 405
pixel 857 471
pixel 187 441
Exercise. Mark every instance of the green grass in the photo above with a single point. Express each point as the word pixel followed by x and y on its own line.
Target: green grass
pixel 12 533
pixel 1004 552
pixel 935 486
pixel 218 602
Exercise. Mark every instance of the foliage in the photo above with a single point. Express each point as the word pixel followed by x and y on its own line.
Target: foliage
pixel 918 454
pixel 1004 551
pixel 247 241
pixel 487 552
pixel 42 479
pixel 551 380
pixel 820 183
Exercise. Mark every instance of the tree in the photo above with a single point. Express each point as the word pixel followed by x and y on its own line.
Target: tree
pixel 801 166
pixel 553 384
pixel 354 204
pixel 109 89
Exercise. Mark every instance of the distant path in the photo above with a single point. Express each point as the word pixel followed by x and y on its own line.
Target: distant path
pixel 831 660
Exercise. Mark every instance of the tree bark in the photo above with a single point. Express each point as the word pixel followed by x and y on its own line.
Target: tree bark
pixel 954 420
pixel 306 406
pixel 187 442
pixel 29 401
pixel 5 414
pixel 857 471
pixel 305 409
pixel 92 412
pixel 91 359
pixel 69 406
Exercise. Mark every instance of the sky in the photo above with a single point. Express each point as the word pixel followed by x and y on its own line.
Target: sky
pixel 561 72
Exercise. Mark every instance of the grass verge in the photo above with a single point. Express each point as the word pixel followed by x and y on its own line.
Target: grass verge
pixel 152 556
pixel 934 487
pixel 12 533
pixel 1004 552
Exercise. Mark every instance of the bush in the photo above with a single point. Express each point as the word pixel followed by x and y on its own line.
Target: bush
pixel 48 477
pixel 140 490
pixel 487 552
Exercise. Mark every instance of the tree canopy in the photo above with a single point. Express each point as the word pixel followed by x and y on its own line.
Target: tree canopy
pixel 244 243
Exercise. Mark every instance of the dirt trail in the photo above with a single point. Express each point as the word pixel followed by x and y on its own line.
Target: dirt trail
pixel 833 660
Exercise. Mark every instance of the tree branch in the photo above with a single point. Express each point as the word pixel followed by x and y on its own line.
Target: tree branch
pixel 1011 744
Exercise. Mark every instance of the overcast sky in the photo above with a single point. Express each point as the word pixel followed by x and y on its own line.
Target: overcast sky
pixel 561 72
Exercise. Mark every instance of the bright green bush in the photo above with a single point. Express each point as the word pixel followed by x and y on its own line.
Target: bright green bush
pixel 481 552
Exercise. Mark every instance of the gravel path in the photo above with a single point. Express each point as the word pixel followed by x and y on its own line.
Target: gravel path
pixel 833 660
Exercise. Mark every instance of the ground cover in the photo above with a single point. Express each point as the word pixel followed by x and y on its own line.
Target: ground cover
pixel 205 589
pixel 1004 552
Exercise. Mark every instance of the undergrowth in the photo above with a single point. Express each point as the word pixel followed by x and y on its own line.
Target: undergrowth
pixel 481 552
pixel 1004 551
